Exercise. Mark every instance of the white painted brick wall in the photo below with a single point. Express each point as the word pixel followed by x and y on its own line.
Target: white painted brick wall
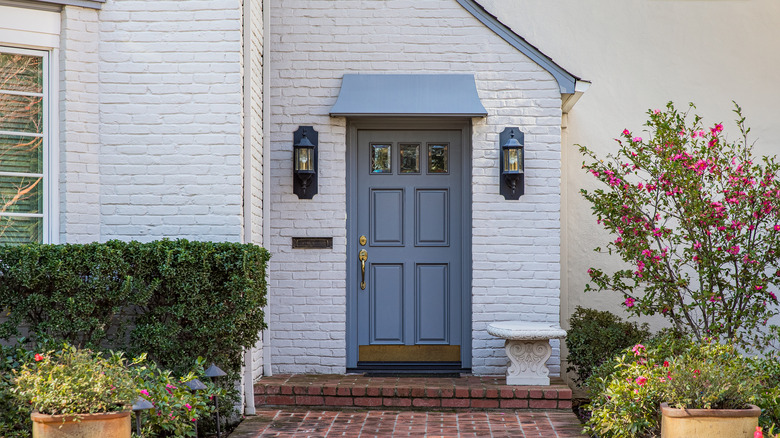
pixel 170 113
pixel 79 172
pixel 516 248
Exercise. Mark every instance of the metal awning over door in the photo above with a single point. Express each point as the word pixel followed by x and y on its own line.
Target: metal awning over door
pixel 449 95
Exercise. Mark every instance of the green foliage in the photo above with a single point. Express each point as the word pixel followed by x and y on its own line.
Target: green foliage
pixel 596 336
pixel 697 220
pixel 14 413
pixel 175 406
pixel 75 381
pixel 627 392
pixel 176 300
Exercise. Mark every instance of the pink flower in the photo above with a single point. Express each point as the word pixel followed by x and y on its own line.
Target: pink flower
pixel 777 227
pixel 637 139
pixel 759 287
pixel 170 386
pixel 187 405
pixel 629 302
pixel 194 419
pixel 656 111
pixel 626 132
pixel 641 380
pixel 144 392
pixel 638 349
pixel 774 297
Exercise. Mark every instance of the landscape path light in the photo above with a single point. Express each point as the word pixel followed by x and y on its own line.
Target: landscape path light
pixel 195 385
pixel 141 404
pixel 212 372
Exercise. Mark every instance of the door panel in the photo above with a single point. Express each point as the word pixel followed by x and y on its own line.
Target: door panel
pixel 387 217
pixel 387 303
pixel 409 207
pixel 432 294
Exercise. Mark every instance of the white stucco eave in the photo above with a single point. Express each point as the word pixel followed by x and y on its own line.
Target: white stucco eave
pixel 571 86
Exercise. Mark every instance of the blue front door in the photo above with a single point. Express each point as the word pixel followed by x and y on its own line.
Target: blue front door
pixel 409 203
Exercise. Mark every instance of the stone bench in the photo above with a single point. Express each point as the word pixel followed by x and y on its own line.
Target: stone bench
pixel 528 347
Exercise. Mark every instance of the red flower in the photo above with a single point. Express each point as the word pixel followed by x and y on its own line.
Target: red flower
pixel 666 364
pixel 38 357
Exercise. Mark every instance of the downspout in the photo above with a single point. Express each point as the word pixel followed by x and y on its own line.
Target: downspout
pixel 249 393
pixel 267 170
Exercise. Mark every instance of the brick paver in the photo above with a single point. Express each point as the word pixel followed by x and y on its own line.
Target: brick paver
pixel 299 422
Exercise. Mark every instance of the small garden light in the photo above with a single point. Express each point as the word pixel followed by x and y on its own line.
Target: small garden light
pixel 512 164
pixel 195 385
pixel 141 404
pixel 212 372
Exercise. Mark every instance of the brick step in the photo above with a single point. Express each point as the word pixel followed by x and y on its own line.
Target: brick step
pixel 358 391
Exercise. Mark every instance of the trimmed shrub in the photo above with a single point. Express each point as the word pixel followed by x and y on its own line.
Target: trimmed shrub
pixel 596 336
pixel 175 300
pixel 14 414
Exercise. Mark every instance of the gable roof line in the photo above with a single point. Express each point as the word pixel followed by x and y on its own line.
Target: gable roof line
pixel 567 82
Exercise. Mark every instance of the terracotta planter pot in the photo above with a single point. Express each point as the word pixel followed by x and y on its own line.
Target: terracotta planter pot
pixel 708 423
pixel 108 425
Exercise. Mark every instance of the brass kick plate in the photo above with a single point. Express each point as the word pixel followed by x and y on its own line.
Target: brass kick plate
pixel 409 353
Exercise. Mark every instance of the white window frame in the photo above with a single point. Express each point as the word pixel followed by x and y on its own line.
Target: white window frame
pixel 50 142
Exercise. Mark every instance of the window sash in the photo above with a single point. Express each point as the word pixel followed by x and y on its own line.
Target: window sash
pixel 46 204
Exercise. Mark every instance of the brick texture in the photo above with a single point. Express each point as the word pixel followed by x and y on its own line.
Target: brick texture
pixel 516 245
pixel 170 115
pixel 79 172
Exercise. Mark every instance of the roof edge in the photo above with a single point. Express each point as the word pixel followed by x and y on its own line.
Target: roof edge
pixel 567 82
pixel 50 4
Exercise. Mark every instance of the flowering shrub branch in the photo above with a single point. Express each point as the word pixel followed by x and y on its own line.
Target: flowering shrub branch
pixel 698 220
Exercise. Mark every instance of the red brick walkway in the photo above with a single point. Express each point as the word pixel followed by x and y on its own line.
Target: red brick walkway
pixel 300 422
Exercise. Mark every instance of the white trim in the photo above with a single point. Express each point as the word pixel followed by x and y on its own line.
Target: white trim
pixel 23 174
pixel 50 149
pixel 29 28
pixel 20 134
pixel 12 214
pixel 267 186
pixel 52 159
pixel 21 93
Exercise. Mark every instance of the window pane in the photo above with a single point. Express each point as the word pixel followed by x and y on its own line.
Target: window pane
pixel 19 230
pixel 21 194
pixel 21 73
pixel 410 158
pixel 381 158
pixel 21 154
pixel 21 113
pixel 437 158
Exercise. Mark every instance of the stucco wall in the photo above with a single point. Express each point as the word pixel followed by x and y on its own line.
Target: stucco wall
pixel 170 118
pixel 515 245
pixel 639 54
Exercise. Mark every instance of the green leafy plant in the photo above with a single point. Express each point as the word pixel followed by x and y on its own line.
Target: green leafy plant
pixel 14 413
pixel 175 300
pixel 704 375
pixel 75 381
pixel 176 408
pixel 596 336
pixel 697 219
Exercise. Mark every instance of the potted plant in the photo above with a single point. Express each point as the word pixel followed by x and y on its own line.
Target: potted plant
pixel 707 393
pixel 77 392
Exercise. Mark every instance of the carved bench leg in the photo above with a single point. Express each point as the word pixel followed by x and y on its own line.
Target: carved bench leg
pixel 528 362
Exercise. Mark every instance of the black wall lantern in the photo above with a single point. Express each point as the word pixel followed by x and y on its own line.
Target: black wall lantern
pixel 512 163
pixel 305 162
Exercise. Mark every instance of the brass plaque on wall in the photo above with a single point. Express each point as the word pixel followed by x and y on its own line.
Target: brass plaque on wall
pixel 312 242
pixel 409 353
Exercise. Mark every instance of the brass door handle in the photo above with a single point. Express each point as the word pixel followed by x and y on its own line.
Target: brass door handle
pixel 363 256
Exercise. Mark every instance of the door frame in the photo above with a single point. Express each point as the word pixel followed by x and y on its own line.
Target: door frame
pixel 411 123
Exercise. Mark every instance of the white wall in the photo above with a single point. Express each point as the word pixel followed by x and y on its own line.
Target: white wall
pixel 170 120
pixel 639 54
pixel 516 244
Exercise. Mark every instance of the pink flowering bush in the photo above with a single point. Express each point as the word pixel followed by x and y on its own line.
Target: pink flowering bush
pixel 176 408
pixel 697 220
pixel 704 375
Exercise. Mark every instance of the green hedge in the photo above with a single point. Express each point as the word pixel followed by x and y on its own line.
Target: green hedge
pixel 175 300
pixel 596 336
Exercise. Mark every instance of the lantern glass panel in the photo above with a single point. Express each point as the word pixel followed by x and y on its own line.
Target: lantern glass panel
pixel 304 159
pixel 513 160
